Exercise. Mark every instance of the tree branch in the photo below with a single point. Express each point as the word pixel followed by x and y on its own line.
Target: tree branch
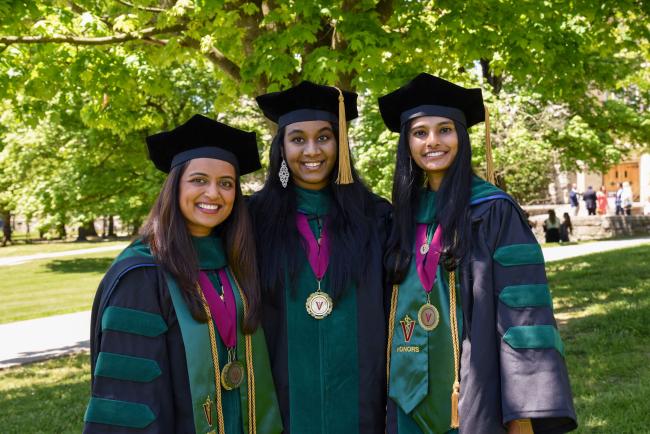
pixel 217 58
pixel 213 55
pixel 100 40
pixel 142 8
pixel 496 81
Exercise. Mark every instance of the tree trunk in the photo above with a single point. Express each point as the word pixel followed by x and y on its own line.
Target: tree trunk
pixel 62 232
pixel 111 227
pixel 6 228
pixel 86 230
pixel 104 223
pixel 136 228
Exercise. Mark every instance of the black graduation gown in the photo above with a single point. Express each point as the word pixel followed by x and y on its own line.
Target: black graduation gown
pixel 141 382
pixel 373 296
pixel 512 364
pixel 142 290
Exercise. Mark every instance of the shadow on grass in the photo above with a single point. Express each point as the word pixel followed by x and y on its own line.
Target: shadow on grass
pixel 614 276
pixel 606 299
pixel 81 265
pixel 45 397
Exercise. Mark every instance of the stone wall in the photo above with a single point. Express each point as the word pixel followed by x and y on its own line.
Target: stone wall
pixel 602 227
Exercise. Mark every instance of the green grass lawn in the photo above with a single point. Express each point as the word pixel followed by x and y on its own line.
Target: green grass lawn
pixel 51 286
pixel 46 397
pixel 602 303
pixel 47 247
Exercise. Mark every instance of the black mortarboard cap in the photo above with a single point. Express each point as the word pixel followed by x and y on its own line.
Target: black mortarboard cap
pixel 307 101
pixel 427 95
pixel 202 137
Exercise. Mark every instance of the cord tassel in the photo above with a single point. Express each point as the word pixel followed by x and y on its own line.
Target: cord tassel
pixel 345 171
pixel 489 164
pixel 455 394
pixel 453 323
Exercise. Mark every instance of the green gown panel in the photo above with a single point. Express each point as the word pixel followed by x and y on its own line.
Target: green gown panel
pixel 323 367
pixel 422 362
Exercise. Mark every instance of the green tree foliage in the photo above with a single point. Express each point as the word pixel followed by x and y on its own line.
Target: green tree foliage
pixel 83 82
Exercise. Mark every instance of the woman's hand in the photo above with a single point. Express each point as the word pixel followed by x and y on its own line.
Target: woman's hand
pixel 520 426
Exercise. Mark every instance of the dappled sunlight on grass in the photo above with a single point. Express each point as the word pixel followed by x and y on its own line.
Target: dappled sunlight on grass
pixel 51 286
pixel 49 396
pixel 602 303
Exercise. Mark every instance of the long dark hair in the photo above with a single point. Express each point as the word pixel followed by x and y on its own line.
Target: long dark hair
pixel 170 241
pixel 350 227
pixel 452 205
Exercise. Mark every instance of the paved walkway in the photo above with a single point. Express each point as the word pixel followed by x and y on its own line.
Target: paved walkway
pixel 38 339
pixel 15 260
pixel 575 250
pixel 43 338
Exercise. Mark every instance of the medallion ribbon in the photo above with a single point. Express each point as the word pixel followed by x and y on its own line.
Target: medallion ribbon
pixel 318 254
pixel 224 311
pixel 319 304
pixel 427 256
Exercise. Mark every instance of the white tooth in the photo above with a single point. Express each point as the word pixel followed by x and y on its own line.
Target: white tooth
pixel 312 164
pixel 434 154
pixel 208 206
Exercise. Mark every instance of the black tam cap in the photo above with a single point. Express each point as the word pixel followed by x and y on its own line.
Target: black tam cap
pixel 427 95
pixel 307 102
pixel 202 137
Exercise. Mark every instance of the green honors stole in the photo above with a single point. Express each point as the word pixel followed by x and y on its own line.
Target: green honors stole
pixel 323 363
pixel 421 370
pixel 253 406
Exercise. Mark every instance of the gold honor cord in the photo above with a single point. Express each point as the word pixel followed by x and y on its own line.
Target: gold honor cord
pixel 250 373
pixel 215 363
pixel 217 371
pixel 391 328
pixel 453 323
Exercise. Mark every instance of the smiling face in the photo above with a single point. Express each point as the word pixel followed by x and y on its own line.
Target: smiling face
pixel 433 143
pixel 310 151
pixel 206 194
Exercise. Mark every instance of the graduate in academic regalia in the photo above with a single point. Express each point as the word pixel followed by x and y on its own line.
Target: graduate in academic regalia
pixel 484 357
pixel 176 345
pixel 320 237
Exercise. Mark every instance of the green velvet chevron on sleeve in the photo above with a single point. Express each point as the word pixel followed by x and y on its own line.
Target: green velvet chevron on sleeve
pixel 123 367
pixel 119 413
pixel 519 254
pixel 531 295
pixel 133 321
pixel 534 337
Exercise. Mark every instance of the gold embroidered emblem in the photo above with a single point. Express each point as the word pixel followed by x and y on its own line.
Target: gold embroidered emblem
pixel 207 410
pixel 408 325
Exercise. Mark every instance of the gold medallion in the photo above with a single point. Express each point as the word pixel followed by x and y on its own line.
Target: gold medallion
pixel 232 375
pixel 424 249
pixel 428 317
pixel 319 304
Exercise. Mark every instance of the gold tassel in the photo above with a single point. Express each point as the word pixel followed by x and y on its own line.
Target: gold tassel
pixel 345 171
pixel 455 394
pixel 489 165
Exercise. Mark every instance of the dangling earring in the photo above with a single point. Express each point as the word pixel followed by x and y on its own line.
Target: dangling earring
pixel 284 174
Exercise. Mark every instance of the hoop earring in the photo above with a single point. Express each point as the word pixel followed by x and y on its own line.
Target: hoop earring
pixel 284 174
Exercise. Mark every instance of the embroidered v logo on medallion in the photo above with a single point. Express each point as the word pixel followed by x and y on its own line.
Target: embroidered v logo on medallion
pixel 408 325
